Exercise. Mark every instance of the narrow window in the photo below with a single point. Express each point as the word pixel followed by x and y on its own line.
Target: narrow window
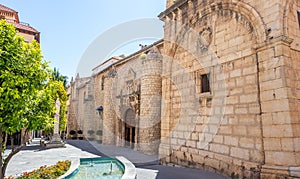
pixel 298 12
pixel 205 87
pixel 102 83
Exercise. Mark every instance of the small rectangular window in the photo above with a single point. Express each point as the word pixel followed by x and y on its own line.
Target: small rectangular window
pixel 298 12
pixel 102 83
pixel 205 85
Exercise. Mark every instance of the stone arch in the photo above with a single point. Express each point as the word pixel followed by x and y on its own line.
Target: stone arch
pixel 244 10
pixel 289 28
pixel 288 9
pixel 130 128
pixel 245 13
pixel 129 117
pixel 289 4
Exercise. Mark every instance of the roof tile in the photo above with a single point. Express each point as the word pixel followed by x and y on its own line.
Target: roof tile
pixel 4 8
pixel 25 27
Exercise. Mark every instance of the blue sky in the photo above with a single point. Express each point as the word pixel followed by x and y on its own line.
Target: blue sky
pixel 68 27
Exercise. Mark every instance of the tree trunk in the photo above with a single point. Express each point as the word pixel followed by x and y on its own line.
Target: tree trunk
pixel 5 139
pixel 9 157
pixel 4 162
pixel 12 143
pixel 1 157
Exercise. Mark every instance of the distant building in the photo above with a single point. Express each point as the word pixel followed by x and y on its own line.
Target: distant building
pixel 82 114
pixel 11 16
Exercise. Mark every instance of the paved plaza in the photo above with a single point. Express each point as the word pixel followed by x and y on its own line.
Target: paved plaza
pixel 33 156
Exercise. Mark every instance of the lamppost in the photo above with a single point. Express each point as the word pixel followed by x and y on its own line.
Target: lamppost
pixel 100 111
pixel 99 131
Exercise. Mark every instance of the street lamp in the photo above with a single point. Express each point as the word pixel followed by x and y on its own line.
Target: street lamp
pixel 100 111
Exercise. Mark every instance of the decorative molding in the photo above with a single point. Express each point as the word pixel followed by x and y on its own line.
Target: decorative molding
pixel 280 39
pixel 205 39
pixel 112 73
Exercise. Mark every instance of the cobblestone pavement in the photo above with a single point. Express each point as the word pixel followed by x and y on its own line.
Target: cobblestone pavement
pixel 33 156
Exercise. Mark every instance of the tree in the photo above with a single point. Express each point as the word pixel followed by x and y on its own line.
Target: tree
pixel 59 91
pixel 56 76
pixel 26 101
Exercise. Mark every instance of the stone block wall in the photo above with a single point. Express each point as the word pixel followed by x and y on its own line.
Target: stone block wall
pixel 131 85
pixel 82 114
pixel 109 115
pixel 99 101
pixel 244 122
pixel 247 125
pixel 149 124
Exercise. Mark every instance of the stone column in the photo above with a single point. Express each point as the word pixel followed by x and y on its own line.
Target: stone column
pixel 109 115
pixel 56 122
pixel 149 124
pixel 56 140
pixel 279 123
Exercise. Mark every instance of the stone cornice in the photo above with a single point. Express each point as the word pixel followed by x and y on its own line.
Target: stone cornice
pixel 172 8
pixel 280 39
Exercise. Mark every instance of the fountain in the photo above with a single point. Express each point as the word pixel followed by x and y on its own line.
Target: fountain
pixel 109 168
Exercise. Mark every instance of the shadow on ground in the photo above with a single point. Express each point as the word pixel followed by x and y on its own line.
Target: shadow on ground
pixel 85 146
pixel 164 172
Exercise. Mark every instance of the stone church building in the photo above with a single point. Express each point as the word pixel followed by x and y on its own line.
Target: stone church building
pixel 220 92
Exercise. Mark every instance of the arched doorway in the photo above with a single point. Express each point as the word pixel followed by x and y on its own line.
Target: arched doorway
pixel 130 125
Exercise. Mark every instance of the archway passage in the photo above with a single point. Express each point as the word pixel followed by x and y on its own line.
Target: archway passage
pixel 130 126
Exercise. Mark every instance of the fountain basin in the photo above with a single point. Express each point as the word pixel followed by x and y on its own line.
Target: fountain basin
pixel 106 168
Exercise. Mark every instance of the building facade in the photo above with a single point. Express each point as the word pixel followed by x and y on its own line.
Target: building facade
pixel 124 89
pixel 220 92
pixel 246 123
pixel 24 29
pixel 82 114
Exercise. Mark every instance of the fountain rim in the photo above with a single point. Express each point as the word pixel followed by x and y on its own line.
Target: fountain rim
pixel 129 168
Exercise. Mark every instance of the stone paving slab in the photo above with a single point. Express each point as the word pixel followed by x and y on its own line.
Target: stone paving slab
pixel 147 166
pixel 137 158
pixel 32 157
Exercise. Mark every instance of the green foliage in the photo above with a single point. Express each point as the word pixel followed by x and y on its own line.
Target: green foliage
pixel 59 91
pixel 99 132
pixel 24 77
pixel 26 90
pixel 56 76
pixel 72 132
pixel 91 132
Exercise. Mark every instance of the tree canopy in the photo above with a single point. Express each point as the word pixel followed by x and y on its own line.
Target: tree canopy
pixel 24 77
pixel 59 91
pixel 27 89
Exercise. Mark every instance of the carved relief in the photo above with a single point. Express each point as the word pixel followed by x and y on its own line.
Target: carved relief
pixel 205 39
pixel 133 90
pixel 112 73
pixel 134 95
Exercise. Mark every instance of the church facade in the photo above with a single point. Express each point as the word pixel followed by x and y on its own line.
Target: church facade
pixel 220 92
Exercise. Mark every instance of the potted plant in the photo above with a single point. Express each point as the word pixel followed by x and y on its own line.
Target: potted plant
pixel 91 133
pixel 99 133
pixel 73 134
pixel 80 134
